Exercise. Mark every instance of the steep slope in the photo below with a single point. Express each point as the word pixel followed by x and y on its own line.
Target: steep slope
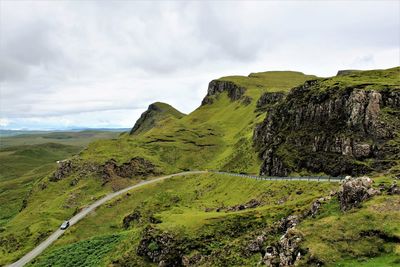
pixel 154 114
pixel 212 136
pixel 348 124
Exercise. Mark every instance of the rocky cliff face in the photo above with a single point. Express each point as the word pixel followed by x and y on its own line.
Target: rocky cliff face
pixel 332 127
pixel 268 99
pixel 135 167
pixel 217 87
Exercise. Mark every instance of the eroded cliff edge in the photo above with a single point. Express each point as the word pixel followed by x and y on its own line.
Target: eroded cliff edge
pixel 342 125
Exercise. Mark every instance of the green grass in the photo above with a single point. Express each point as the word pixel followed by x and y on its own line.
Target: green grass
pixel 385 260
pixel 207 138
pixel 21 167
pixel 150 118
pixel 216 136
pixel 337 238
pixel 368 80
pixel 85 253
pixel 180 204
pixel 81 138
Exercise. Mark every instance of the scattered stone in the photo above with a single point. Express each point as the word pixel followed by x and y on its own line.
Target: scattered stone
pixel 193 260
pixel 253 203
pixel 394 189
pixel 160 247
pixel 285 252
pixel 133 217
pixel 354 191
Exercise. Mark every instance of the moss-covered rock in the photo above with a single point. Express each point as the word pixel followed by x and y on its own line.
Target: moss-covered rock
pixel 333 126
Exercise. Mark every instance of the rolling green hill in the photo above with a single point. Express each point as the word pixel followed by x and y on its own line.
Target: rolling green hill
pixel 26 159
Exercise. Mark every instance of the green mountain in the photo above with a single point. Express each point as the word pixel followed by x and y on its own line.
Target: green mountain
pixel 269 123
pixel 153 116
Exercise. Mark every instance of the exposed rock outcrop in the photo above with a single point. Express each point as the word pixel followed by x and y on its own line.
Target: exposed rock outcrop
pixel 269 98
pixel 394 189
pixel 217 87
pixel 354 191
pixel 253 203
pixel 326 127
pixel 133 217
pixel 285 252
pixel 160 247
pixel 135 167
pixel 65 168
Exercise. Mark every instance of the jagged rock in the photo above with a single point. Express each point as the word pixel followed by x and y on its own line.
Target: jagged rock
pixel 315 207
pixel 286 252
pixel 216 87
pixel 160 247
pixel 289 222
pixel 249 205
pixel 394 189
pixel 330 128
pixel 354 191
pixel 135 167
pixel 133 217
pixel 257 244
pixel 269 98
pixel 65 168
pixel 194 260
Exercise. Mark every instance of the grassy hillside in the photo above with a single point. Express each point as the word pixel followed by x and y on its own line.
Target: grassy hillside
pixel 187 208
pixel 215 136
pixel 203 218
pixel 155 113
pixel 21 167
pixel 78 138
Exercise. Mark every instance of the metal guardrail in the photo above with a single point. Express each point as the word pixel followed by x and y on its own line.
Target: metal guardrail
pixel 285 178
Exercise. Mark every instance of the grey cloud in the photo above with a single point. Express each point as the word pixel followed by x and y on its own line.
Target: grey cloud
pixel 60 58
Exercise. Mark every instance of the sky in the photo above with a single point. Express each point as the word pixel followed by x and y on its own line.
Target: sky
pixel 88 64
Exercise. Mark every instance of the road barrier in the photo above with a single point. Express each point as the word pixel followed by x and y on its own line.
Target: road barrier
pixel 285 178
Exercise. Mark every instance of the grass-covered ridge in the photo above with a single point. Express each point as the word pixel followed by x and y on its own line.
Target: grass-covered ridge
pixel 155 114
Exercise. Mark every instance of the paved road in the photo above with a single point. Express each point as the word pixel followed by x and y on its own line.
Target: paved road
pixel 39 249
pixel 42 246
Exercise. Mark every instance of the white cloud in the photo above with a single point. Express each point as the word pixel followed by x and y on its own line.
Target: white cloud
pixel 4 122
pixel 102 63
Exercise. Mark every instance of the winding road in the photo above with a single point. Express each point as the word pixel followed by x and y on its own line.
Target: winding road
pixel 53 237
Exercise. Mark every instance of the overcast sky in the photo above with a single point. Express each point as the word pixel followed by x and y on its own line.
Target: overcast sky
pixel 100 64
